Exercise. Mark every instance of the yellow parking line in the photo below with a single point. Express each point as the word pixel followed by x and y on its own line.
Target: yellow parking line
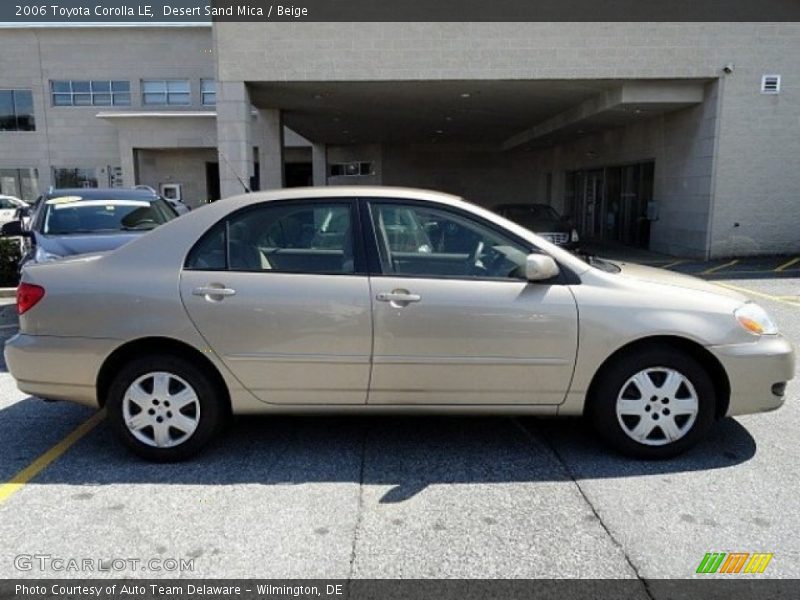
pixel 758 294
pixel 673 264
pixel 18 481
pixel 788 264
pixel 719 267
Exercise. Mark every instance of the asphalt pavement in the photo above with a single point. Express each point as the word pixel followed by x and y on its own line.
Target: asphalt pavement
pixel 339 497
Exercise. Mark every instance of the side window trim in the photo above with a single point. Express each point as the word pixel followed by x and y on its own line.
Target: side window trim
pixel 356 227
pixel 371 242
pixel 374 238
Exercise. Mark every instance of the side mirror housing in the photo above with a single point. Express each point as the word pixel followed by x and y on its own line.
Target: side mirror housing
pixel 539 267
pixel 13 229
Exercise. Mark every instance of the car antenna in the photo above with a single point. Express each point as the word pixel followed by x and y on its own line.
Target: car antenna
pixel 247 190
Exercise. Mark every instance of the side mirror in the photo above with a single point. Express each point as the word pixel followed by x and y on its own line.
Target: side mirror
pixel 13 229
pixel 539 267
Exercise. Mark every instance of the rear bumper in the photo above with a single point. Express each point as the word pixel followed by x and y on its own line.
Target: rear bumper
pixel 755 372
pixel 57 368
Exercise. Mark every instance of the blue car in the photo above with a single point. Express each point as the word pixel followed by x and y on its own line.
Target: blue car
pixel 67 222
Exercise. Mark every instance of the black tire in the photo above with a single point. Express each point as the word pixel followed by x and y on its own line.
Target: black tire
pixel 602 403
pixel 212 406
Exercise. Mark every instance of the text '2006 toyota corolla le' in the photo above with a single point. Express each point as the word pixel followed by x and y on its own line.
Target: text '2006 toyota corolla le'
pixel 384 300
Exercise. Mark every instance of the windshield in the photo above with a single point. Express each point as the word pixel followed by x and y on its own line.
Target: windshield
pixel 64 216
pixel 533 215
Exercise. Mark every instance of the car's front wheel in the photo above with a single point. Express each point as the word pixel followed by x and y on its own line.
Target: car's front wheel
pixel 164 408
pixel 654 403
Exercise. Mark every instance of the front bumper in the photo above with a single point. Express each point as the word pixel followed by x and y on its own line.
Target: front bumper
pixel 753 371
pixel 57 368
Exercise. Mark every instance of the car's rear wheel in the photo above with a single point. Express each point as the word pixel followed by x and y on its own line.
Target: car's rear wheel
pixel 654 403
pixel 164 408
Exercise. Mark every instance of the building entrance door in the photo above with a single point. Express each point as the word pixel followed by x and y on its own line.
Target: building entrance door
pixel 587 206
pixel 610 204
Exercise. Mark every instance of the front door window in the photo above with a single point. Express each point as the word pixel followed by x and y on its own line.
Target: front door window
pixel 415 240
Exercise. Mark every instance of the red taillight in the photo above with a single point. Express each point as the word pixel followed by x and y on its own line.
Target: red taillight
pixel 28 296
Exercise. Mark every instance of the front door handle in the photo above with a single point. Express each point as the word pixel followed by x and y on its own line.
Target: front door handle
pixel 213 292
pixel 398 297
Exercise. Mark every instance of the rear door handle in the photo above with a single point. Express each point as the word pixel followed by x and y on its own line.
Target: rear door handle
pixel 398 297
pixel 213 290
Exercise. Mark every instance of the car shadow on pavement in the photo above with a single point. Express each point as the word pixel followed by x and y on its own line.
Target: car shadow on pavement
pixel 406 454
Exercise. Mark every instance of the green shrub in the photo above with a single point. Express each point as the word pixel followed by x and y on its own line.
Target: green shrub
pixel 9 259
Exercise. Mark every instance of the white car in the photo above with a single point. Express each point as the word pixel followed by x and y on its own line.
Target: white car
pixel 9 205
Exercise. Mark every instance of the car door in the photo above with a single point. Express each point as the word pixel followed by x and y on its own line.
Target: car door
pixel 454 320
pixel 7 210
pixel 280 294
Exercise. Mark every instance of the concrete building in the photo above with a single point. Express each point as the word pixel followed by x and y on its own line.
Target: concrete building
pixel 679 137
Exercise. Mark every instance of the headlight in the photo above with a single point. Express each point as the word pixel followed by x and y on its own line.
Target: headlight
pixel 41 255
pixel 755 319
pixel 574 235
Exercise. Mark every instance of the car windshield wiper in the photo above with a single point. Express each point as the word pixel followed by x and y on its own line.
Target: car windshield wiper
pixel 139 228
pixel 79 231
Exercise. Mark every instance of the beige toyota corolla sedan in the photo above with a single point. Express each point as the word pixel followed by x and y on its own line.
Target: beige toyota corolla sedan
pixel 384 300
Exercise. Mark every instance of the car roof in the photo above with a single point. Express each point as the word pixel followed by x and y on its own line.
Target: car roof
pixel 344 191
pixel 103 193
pixel 522 205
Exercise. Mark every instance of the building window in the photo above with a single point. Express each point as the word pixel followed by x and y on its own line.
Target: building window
pixel 91 93
pixel 22 183
pixel 74 177
pixel 16 110
pixel 351 169
pixel 208 92
pixel 175 92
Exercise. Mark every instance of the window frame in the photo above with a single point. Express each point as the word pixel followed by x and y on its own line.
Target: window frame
pixel 166 92
pixel 371 241
pixel 91 93
pixel 356 226
pixel 204 92
pixel 31 116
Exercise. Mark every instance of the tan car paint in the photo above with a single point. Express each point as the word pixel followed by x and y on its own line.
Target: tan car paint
pixel 96 304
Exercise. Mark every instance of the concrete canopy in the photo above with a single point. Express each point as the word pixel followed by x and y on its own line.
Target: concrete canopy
pixel 506 113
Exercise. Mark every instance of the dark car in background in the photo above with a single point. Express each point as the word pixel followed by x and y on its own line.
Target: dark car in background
pixel 66 222
pixel 543 220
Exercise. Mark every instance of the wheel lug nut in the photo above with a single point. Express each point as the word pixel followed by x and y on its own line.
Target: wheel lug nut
pixel 166 403
pixel 169 414
pixel 155 402
pixel 665 400
pixel 159 419
pixel 655 416
pixel 151 412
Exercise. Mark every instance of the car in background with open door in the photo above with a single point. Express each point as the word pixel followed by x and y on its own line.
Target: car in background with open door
pixel 10 207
